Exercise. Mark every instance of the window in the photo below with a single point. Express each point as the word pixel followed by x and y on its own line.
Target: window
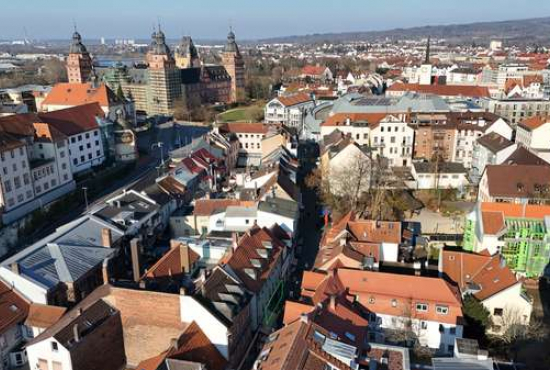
pixel 64 166
pixel 96 133
pixel 87 135
pixel 14 167
pixel 82 158
pixel 54 346
pixel 442 310
pixel 62 153
pixel 7 186
pixel 88 145
pixel 73 140
pixel 89 155
pixel 450 348
pixel 75 161
pixel 452 330
pixel 79 137
pixel 98 153
pixel 17 182
pixel 97 142
pixel 372 299
pixel 20 198
pixel 423 325
pixel 422 307
pixel 5 170
pixel 394 302
pixel 392 139
pixel 26 179
pixel 498 312
pixel 29 194
pixel 81 147
pixel 65 177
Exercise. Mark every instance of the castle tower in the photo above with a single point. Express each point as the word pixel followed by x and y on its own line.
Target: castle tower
pixel 187 55
pixel 234 64
pixel 79 62
pixel 164 86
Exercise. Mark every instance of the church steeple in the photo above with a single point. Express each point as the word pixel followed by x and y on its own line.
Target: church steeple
pixel 427 60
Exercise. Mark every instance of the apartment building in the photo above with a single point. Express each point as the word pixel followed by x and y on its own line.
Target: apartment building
pixel 250 136
pixel 490 149
pixel 533 134
pixel 493 283
pixel 34 162
pixel 515 184
pixel 432 315
pixel 89 142
pixel 13 312
pixel 515 109
pixel 289 110
pixel 393 138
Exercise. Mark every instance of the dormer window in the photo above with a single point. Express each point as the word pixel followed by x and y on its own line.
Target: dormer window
pixel 251 273
pixel 422 307
pixel 442 310
pixel 256 263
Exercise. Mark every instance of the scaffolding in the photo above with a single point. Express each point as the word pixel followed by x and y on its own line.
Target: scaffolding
pixel 526 246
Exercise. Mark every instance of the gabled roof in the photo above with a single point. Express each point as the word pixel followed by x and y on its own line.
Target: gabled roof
pixel 443 90
pixel 522 156
pixel 13 308
pixel 488 273
pixel 512 210
pixel 244 128
pixel 494 142
pixel 208 207
pixel 534 122
pixel 67 94
pixel 516 181
pixel 294 99
pixel 368 119
pixel 255 257
pixel 171 263
pixel 75 120
pixel 43 316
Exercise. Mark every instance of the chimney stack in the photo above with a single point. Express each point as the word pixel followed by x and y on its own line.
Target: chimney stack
pixel 234 240
pixel 332 302
pixel 105 271
pixel 174 243
pixel 76 334
pixel 106 238
pixel 15 268
pixel 134 251
pixel 304 318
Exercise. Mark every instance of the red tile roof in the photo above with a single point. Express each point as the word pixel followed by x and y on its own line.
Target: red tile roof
pixel 244 128
pixel 75 120
pixel 493 222
pixel 516 181
pixel 443 90
pixel 294 99
pixel 487 272
pixel 207 207
pixel 13 308
pixel 313 70
pixel 534 122
pixel 44 316
pixel 171 264
pixel 70 94
pixel 339 119
pixel 510 210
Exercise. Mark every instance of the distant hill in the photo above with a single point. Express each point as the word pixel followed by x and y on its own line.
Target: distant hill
pixel 519 32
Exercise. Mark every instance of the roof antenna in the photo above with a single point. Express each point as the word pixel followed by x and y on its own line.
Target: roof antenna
pixel 158 21
pixel 74 25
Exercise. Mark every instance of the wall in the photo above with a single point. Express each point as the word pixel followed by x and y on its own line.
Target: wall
pixel 516 308
pixel 86 150
pixel 29 290
pixel 43 350
pixel 14 167
pixel 192 310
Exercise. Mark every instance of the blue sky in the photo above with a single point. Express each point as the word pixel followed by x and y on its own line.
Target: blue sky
pixel 210 19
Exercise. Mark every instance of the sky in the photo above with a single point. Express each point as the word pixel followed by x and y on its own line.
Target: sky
pixel 251 19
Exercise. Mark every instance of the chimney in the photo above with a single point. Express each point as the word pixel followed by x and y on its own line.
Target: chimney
pixel 174 243
pixel 185 258
pixel 134 252
pixel 304 318
pixel 105 271
pixel 234 240
pixel 174 343
pixel 183 291
pixel 15 268
pixel 106 238
pixel 332 302
pixel 76 334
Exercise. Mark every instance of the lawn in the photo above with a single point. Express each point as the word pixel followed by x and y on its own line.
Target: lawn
pixel 233 115
pixel 251 113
